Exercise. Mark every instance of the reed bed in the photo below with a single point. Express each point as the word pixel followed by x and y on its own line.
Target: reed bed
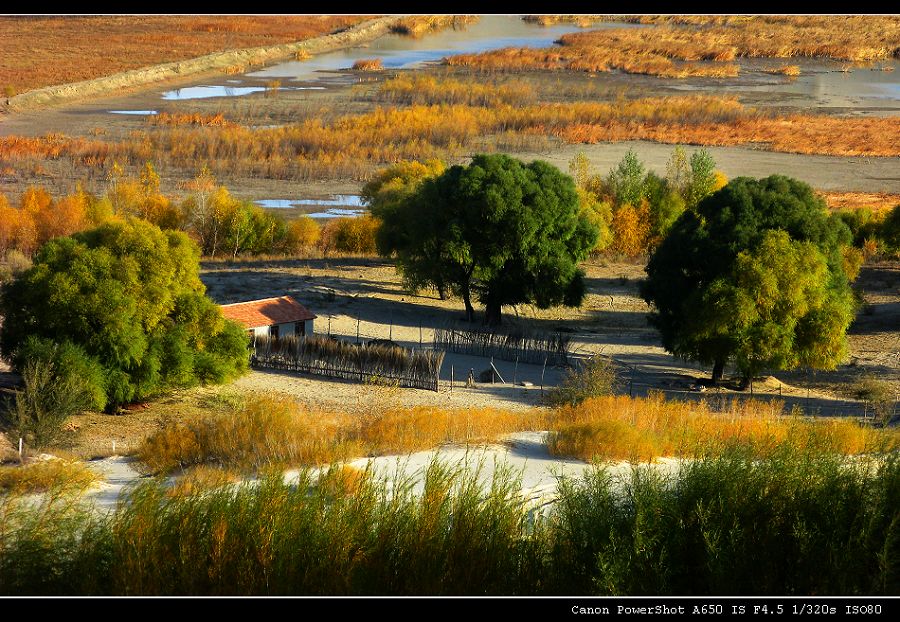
pixel 698 46
pixel 339 359
pixel 524 345
pixel 267 432
pixel 368 64
pixel 796 523
pixel 622 428
pixel 349 146
pixel 786 70
pixel 45 475
pixel 875 201
pixel 189 118
pixel 418 26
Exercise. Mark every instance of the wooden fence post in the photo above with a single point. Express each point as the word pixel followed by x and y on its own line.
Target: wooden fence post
pixel 542 375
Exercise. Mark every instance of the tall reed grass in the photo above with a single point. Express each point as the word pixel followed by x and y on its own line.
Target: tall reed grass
pixel 265 431
pixel 277 432
pixel 797 523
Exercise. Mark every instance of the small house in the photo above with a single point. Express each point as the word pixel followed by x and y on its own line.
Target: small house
pixel 272 317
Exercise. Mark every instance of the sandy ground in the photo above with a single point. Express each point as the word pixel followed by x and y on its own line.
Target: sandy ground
pixel 523 455
pixel 366 294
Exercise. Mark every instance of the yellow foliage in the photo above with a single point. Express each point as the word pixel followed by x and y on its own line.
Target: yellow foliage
pixel 303 234
pixel 720 180
pixel 631 230
pixel 350 235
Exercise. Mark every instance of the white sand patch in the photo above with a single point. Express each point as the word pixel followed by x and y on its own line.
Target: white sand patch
pixel 117 473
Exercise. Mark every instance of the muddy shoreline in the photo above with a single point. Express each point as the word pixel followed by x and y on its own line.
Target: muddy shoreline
pixel 194 68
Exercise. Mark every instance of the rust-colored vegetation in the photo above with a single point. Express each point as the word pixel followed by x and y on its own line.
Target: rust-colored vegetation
pixel 368 64
pixel 875 201
pixel 182 118
pixel 420 25
pixel 426 117
pixel 47 50
pixel 681 46
pixel 622 428
pixel 270 431
pixel 791 71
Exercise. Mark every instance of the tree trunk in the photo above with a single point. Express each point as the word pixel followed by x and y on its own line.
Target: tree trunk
pixel 492 314
pixel 442 291
pixel 467 298
pixel 718 371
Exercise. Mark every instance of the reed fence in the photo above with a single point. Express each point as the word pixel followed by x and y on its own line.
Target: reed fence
pixel 526 346
pixel 324 356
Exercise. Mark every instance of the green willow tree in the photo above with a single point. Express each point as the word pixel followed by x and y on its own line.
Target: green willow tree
pixel 506 232
pixel 124 302
pixel 754 274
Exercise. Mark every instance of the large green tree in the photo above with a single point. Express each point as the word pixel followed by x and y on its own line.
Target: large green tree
pixel 504 231
pixel 125 298
pixel 754 274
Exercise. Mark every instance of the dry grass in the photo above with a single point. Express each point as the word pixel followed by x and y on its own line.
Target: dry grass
pixel 182 118
pixel 54 474
pixel 411 89
pixel 279 432
pixel 806 134
pixel 621 428
pixel 368 64
pixel 202 478
pixel 676 43
pixel 875 201
pixel 48 50
pixel 786 70
pixel 446 118
pixel 420 25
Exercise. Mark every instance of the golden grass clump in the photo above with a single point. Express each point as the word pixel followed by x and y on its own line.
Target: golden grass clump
pixel 53 474
pixel 786 70
pixel 183 118
pixel 622 428
pixel 261 433
pixel 417 26
pixel 875 201
pixel 412 89
pixel 202 478
pixel 368 64
pixel 267 432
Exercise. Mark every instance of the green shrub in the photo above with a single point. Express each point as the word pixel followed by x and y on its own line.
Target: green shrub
pixel 597 376
pixel 129 296
pixel 49 397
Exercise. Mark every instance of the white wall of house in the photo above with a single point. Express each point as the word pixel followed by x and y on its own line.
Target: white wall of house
pixel 283 329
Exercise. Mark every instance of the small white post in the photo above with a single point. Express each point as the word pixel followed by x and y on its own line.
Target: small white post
pixel 20 450
pixel 114 447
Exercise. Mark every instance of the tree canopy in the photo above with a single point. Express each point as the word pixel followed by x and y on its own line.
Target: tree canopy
pixel 122 303
pixel 756 274
pixel 504 231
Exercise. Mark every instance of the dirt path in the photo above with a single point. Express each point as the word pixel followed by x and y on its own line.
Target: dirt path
pixel 211 63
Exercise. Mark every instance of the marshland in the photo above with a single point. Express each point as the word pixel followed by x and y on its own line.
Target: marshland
pixel 570 448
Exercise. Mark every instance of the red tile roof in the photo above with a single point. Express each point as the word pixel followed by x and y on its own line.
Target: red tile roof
pixel 266 312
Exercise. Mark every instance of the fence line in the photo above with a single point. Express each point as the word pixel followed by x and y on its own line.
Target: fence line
pixel 419 369
pixel 525 345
